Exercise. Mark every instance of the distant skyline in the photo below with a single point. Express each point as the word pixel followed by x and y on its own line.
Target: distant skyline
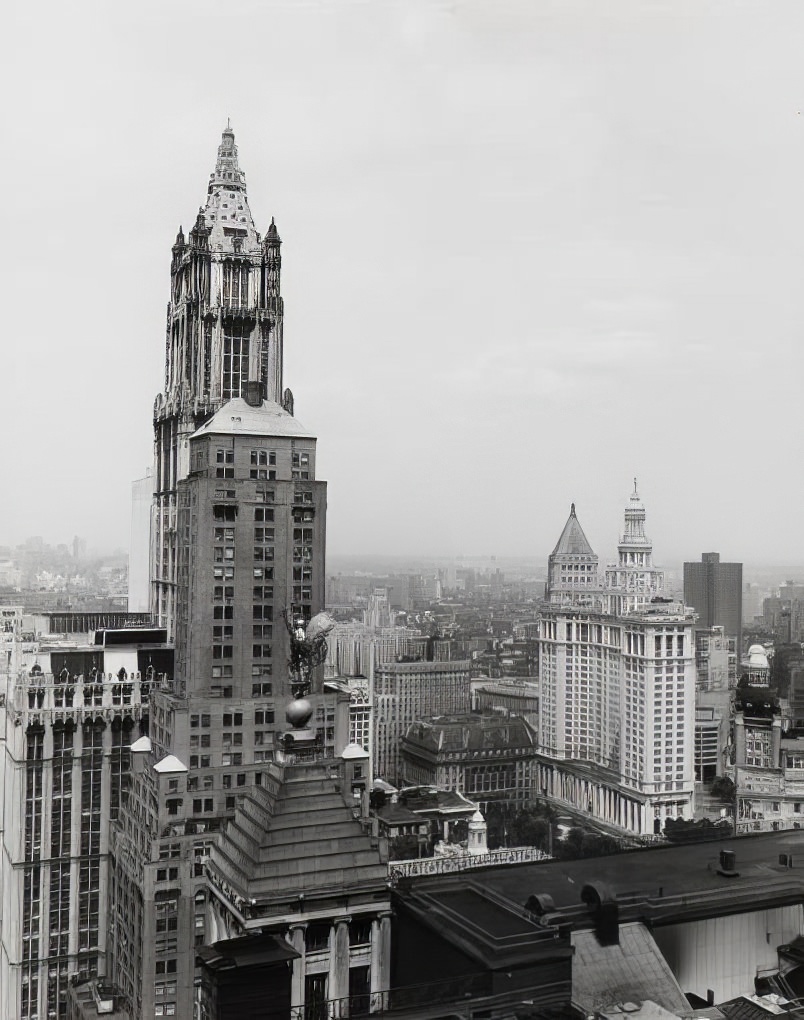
pixel 531 249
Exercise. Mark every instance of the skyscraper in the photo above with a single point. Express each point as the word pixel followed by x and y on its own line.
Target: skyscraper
pixel 715 592
pixel 243 814
pixel 224 329
pixel 617 685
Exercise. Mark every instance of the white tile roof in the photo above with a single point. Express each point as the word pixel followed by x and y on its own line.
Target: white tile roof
pixel 236 417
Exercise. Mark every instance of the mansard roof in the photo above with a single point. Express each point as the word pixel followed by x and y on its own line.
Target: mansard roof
pixel 239 418
pixel 573 542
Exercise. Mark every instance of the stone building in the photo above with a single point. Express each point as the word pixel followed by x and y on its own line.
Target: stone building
pixel 712 653
pixel 488 757
pixel 617 686
pixel 508 696
pixel 616 715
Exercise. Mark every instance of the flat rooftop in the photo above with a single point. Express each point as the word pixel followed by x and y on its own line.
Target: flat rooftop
pixel 662 884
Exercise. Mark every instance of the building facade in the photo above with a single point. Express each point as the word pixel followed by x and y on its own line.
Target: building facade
pixel 712 655
pixel 68 715
pixel 617 685
pixel 407 691
pixel 508 697
pixel 616 716
pixel 489 757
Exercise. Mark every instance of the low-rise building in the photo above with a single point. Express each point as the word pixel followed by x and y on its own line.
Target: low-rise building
pixel 488 757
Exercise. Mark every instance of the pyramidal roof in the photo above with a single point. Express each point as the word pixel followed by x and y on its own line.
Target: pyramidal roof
pixel 226 213
pixel 298 833
pixel 573 542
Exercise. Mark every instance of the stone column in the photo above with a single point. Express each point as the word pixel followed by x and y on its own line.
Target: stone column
pixel 296 939
pixel 776 742
pixel 380 971
pixel 739 738
pixel 338 985
pixel 75 837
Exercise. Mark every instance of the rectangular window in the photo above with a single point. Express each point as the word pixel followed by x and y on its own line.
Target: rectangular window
pixel 234 369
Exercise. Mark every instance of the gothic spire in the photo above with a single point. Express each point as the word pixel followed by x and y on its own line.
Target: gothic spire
pixel 227 173
pixel 227 214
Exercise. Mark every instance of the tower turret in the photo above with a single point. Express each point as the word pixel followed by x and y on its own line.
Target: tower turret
pixel 633 581
pixel 572 567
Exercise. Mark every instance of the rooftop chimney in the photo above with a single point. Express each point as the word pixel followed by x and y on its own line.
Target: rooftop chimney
pixel 252 393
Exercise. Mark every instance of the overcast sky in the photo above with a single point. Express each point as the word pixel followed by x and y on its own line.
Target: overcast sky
pixel 531 250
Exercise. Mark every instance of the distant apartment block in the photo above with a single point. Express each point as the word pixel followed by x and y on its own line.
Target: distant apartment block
pixel 715 591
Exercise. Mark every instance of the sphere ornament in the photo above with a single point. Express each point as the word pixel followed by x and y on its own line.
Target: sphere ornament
pixel 299 712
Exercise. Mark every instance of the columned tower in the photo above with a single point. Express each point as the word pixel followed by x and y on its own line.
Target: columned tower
pixel 633 581
pixel 224 330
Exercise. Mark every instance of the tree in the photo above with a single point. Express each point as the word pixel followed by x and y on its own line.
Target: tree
pixel 529 828
pixel 571 847
pixel 682 830
pixel 723 788
pixel 496 825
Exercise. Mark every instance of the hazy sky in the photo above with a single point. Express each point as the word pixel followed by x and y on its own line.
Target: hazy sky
pixel 531 250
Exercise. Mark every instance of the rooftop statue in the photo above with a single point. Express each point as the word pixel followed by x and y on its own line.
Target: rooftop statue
pixel 308 649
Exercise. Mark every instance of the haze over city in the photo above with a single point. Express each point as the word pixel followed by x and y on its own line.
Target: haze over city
pixel 530 251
